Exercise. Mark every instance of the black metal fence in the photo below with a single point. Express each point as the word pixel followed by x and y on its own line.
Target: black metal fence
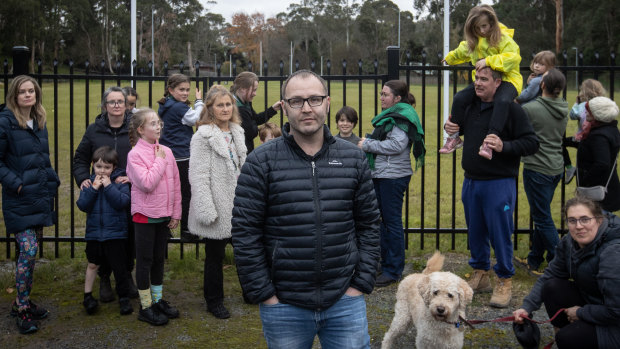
pixel 427 76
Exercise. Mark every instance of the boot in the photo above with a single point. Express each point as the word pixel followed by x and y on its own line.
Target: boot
pixel 479 281
pixel 502 293
pixel 105 289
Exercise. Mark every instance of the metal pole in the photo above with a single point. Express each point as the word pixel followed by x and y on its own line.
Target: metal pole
pixel 446 73
pixel 260 60
pixel 134 41
pixel 291 64
pixel 576 64
pixel 398 28
pixel 152 42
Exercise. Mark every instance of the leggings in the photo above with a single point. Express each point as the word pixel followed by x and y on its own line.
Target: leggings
pixel 504 96
pixel 186 192
pixel 213 282
pixel 28 247
pixel 151 241
pixel 558 294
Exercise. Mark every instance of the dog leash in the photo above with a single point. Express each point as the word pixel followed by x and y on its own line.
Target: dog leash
pixel 471 323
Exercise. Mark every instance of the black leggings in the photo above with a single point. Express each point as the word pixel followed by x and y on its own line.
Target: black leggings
pixel 558 294
pixel 505 94
pixel 151 241
pixel 213 283
pixel 186 192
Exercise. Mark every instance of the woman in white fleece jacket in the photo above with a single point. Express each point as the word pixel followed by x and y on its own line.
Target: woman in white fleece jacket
pixel 217 152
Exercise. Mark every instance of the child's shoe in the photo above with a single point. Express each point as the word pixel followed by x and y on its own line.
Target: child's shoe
pixel 105 289
pixel 452 143
pixel 165 308
pixel 90 304
pixel 485 151
pixel 152 316
pixel 26 323
pixel 125 304
pixel 36 311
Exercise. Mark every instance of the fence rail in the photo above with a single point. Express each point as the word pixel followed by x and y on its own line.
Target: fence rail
pixel 427 75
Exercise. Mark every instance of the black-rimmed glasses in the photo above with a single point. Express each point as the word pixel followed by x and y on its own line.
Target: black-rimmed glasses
pixel 313 101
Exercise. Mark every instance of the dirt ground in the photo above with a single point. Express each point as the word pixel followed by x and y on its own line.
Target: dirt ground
pixel 68 326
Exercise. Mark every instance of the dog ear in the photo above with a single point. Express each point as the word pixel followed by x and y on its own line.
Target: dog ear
pixel 465 296
pixel 424 288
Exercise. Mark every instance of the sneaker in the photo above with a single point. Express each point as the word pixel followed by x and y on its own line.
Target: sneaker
pixel 26 323
pixel 152 316
pixel 485 151
pixel 105 290
pixel 452 144
pixel 384 280
pixel 36 311
pixel 165 308
pixel 502 293
pixel 480 281
pixel 570 174
pixel 90 304
pixel 219 311
pixel 523 263
pixel 125 305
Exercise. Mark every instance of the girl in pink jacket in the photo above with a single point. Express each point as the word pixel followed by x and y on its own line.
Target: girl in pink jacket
pixel 155 209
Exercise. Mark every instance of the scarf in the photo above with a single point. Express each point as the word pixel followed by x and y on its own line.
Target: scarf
pixel 403 116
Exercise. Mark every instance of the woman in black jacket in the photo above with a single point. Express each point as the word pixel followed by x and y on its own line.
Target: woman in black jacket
pixel 583 279
pixel 244 90
pixel 29 186
pixel 598 150
pixel 109 129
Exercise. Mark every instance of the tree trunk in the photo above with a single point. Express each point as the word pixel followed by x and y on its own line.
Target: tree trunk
pixel 558 25
pixel 189 58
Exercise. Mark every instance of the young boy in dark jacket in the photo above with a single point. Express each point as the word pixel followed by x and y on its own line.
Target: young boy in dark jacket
pixel 105 203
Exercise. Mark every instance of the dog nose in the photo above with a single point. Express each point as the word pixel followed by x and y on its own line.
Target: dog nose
pixel 441 310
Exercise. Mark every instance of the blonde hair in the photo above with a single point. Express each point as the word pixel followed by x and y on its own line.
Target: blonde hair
pixel 137 120
pixel 474 16
pixel 269 127
pixel 207 116
pixel 589 89
pixel 37 112
pixel 245 79
pixel 544 57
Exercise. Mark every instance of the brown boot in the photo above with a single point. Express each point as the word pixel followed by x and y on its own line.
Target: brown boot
pixel 502 293
pixel 479 281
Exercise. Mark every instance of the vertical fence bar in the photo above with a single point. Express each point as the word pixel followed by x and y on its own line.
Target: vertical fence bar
pixel 71 192
pixel 612 74
pixel 422 170
pixel 56 229
pixel 455 77
pixel 6 90
pixel 359 94
pixel 102 64
pixel 118 73
pixel 439 137
pixel 150 83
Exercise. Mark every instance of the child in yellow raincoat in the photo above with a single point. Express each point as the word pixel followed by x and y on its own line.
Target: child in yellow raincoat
pixel 488 43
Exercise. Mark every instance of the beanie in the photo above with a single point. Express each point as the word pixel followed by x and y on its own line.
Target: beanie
pixel 602 109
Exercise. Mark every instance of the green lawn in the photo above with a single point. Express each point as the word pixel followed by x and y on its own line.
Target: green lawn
pixel 431 192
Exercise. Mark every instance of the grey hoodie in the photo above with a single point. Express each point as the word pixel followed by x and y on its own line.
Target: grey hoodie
pixel 548 117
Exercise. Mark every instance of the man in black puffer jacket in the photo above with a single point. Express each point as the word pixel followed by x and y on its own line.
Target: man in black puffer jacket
pixel 306 228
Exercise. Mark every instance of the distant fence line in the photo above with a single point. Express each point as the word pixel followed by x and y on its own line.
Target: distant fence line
pixel 395 70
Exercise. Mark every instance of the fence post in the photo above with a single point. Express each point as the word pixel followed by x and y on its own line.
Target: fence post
pixel 393 53
pixel 20 60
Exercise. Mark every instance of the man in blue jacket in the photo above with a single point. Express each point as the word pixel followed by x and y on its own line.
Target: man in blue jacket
pixel 306 228
pixel 490 186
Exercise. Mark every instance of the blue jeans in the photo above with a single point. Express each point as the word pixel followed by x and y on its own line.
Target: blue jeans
pixel 390 193
pixel 489 206
pixel 539 189
pixel 341 326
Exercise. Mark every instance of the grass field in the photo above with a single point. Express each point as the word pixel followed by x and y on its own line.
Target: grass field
pixel 433 199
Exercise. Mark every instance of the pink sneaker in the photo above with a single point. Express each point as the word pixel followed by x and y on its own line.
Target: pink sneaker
pixel 451 145
pixel 485 151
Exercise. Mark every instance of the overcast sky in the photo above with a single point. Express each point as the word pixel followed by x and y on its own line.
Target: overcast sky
pixel 269 7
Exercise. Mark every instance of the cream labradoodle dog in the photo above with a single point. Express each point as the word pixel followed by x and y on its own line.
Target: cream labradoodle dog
pixel 435 302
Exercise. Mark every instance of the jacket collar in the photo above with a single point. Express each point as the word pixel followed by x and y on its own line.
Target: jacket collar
pixel 328 139
pixel 215 138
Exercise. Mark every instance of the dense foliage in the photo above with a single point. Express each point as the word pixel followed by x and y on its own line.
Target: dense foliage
pixel 184 30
